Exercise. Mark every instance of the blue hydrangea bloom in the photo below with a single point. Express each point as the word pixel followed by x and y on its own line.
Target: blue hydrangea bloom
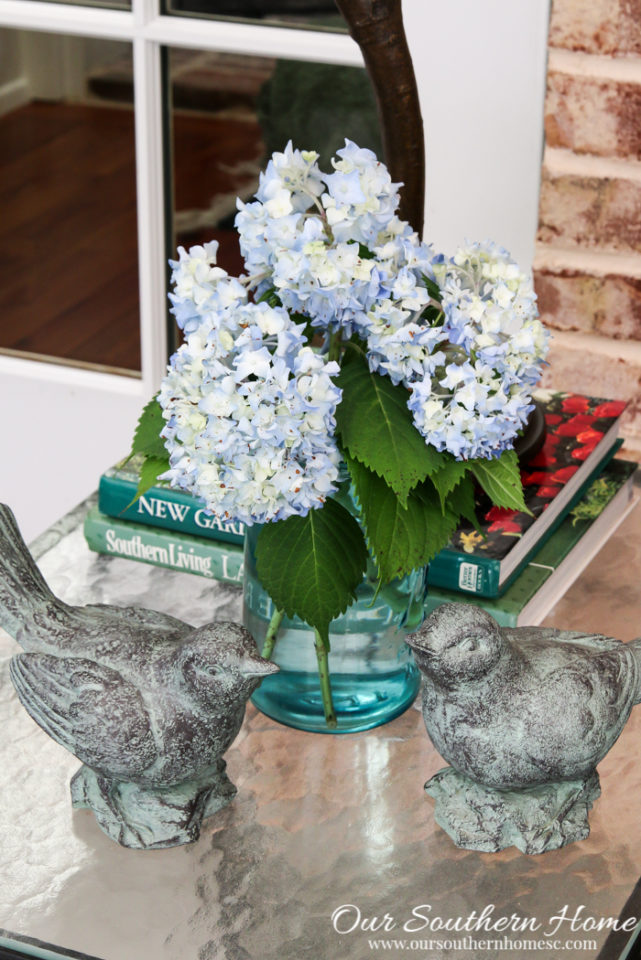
pixel 250 404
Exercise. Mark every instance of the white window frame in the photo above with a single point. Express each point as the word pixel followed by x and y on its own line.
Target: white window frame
pixel 148 31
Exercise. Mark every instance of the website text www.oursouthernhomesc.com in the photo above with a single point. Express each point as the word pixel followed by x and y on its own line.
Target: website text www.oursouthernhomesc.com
pixel 436 949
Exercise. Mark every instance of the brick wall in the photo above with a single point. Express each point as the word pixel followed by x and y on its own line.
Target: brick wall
pixel 588 258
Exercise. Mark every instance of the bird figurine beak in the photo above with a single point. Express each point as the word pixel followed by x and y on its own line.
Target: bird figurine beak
pixel 258 667
pixel 413 640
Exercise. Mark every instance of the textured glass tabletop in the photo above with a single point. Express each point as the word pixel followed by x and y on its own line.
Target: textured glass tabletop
pixel 330 847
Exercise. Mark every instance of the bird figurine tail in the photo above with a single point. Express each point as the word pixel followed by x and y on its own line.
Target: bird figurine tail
pixel 636 649
pixel 22 586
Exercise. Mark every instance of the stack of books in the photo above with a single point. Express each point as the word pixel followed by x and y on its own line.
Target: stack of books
pixel 164 527
pixel 516 565
pixel 559 558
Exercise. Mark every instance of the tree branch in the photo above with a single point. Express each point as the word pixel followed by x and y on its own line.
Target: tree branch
pixel 377 27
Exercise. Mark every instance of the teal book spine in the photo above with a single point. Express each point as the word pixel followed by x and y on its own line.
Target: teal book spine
pixel 163 507
pixel 505 609
pixel 164 548
pixel 468 574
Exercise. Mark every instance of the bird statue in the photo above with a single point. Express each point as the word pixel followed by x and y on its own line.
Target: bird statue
pixel 148 703
pixel 523 716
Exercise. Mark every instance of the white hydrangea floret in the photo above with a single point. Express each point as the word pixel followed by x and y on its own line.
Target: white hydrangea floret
pixel 201 289
pixel 331 245
pixel 252 434
pixel 470 374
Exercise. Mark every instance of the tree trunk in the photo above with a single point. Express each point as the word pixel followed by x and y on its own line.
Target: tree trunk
pixel 377 27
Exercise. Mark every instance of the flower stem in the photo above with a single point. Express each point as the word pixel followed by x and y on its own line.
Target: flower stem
pixel 325 683
pixel 318 205
pixel 334 352
pixel 272 630
pixel 254 280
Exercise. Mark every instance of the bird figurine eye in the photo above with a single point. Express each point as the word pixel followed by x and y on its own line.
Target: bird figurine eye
pixel 469 644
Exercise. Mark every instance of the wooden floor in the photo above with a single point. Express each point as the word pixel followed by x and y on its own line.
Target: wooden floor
pixel 68 252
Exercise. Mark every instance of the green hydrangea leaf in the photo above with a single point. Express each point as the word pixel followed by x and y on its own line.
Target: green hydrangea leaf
pixel 501 480
pixel 270 297
pixel 376 427
pixel 149 473
pixel 364 252
pixel 462 501
pixel 400 538
pixel 448 477
pixel 432 316
pixel 432 288
pixel 311 566
pixel 147 438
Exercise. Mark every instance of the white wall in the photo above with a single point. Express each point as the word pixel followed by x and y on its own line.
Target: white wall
pixel 480 66
pixel 60 429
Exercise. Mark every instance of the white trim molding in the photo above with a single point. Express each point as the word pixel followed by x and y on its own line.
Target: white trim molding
pixel 280 42
pixel 67 18
pixel 145 21
pixel 150 193
pixel 13 94
pixel 39 371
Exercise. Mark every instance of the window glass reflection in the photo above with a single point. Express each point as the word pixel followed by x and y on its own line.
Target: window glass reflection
pixel 118 4
pixel 230 112
pixel 314 14
pixel 69 285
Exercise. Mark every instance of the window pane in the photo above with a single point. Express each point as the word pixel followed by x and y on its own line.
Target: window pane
pixel 315 14
pixel 230 112
pixel 68 255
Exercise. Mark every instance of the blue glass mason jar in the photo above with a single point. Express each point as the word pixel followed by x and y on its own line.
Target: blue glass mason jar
pixel 373 675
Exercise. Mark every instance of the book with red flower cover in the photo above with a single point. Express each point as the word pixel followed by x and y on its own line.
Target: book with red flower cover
pixel 581 437
pixel 566 552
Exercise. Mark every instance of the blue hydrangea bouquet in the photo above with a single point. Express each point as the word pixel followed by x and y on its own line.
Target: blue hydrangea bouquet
pixel 347 342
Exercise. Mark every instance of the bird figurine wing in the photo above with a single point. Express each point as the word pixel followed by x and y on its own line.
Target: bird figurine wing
pixel 102 630
pixel 162 623
pixel 596 640
pixel 89 709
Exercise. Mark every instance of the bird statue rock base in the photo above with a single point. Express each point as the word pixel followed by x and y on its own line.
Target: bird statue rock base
pixel 534 821
pixel 148 704
pixel 151 819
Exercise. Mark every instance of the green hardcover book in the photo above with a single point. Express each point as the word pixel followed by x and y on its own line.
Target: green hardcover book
pixel 558 563
pixel 164 548
pixel 162 506
pixel 581 437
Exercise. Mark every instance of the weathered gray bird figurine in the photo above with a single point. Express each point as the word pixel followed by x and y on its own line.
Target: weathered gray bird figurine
pixel 517 709
pixel 148 703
